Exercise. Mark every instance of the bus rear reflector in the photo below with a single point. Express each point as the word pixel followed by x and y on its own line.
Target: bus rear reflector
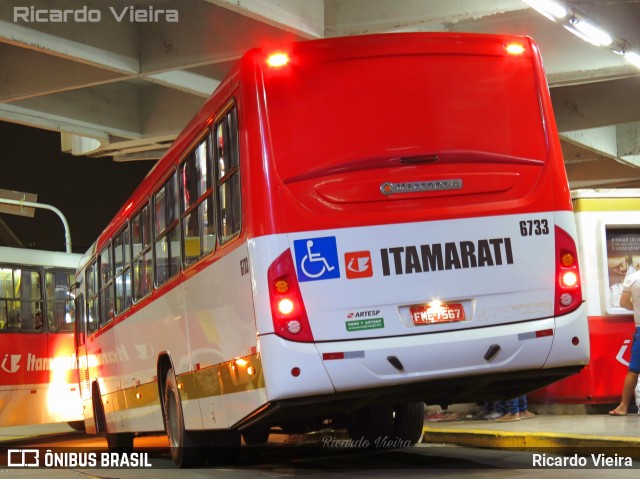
pixel 289 315
pixel 543 333
pixel 331 356
pixel 568 289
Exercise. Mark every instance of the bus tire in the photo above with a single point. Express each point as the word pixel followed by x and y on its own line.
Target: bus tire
pixel 408 422
pixel 186 450
pixel 371 425
pixel 120 442
pixel 256 435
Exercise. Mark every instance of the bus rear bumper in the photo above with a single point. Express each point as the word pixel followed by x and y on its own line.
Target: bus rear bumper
pixel 343 366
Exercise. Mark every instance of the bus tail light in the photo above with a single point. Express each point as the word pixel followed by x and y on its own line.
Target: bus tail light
pixel 568 289
pixel 289 315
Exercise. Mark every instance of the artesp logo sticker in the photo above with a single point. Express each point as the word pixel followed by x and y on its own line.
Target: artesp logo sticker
pixel 317 258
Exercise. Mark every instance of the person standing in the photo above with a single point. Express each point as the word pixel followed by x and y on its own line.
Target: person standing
pixel 630 299
pixel 515 409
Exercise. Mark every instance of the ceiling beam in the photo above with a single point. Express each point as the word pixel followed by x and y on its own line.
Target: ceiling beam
pixel 617 142
pixel 108 115
pixel 28 73
pixel 110 44
pixel 593 105
pixel 305 18
pixel 601 173
pixel 185 81
pixel 351 17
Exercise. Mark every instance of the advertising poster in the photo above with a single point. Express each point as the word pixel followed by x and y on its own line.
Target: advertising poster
pixel 623 258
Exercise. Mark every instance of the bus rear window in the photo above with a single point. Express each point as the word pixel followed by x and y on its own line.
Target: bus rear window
pixel 402 106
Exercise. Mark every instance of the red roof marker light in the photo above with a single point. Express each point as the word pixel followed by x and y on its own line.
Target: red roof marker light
pixel 277 59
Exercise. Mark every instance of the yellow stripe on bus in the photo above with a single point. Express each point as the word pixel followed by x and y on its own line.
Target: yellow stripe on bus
pixel 606 204
pixel 142 396
pixel 242 374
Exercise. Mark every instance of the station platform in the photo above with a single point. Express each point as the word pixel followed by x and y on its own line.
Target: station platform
pixel 553 433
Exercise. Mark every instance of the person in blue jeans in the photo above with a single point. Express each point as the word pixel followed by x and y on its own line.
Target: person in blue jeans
pixel 630 299
pixel 515 409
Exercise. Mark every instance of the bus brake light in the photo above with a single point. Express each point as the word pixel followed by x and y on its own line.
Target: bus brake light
pixel 285 306
pixel 289 315
pixel 568 295
pixel 569 279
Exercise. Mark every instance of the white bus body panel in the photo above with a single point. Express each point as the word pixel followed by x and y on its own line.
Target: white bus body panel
pixel 204 321
pixel 424 357
pixel 505 303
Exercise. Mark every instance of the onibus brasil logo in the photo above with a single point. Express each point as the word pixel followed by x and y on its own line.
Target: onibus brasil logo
pixel 21 458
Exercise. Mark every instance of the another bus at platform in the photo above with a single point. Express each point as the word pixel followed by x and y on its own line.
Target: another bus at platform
pixel 348 228
pixel 608 222
pixel 38 374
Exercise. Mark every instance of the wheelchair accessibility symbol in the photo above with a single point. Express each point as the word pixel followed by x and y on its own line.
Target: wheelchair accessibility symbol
pixel 317 258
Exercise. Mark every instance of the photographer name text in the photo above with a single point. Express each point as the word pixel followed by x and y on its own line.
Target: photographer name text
pixel 577 461
pixel 92 15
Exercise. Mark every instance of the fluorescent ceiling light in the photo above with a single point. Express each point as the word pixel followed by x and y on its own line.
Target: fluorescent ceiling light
pixel 581 35
pixel 550 9
pixel 591 33
pixel 633 58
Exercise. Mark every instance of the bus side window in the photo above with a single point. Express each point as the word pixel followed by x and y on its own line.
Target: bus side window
pixel 122 261
pixel 92 298
pixel 81 322
pixel 226 157
pixel 20 299
pixel 197 204
pixel 60 305
pixel 142 264
pixel 106 286
pixel 166 231
pixel 14 323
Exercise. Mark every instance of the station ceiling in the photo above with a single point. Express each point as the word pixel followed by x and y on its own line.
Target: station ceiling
pixel 124 88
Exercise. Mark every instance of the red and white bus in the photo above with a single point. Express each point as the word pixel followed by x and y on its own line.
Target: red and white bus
pixel 38 376
pixel 348 227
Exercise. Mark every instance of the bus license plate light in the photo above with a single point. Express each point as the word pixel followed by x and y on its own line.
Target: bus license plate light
pixel 438 313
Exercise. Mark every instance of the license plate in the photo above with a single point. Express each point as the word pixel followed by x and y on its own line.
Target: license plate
pixel 439 313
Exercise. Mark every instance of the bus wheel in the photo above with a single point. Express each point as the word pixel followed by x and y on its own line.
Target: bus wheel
pixel 120 442
pixel 255 435
pixel 408 423
pixel 186 450
pixel 371 425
